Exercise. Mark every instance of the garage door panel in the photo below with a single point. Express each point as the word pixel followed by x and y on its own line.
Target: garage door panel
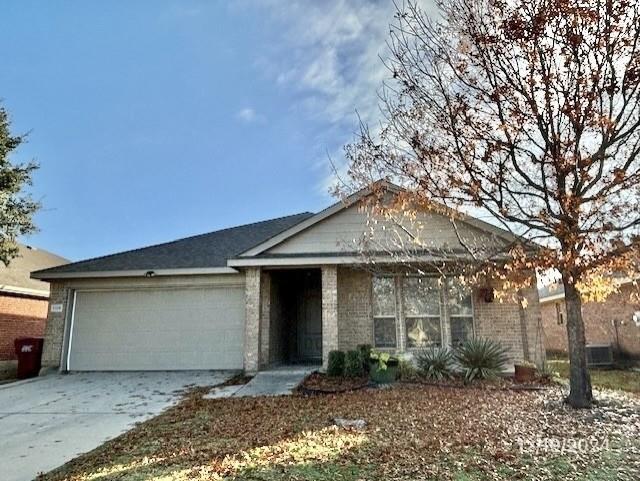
pixel 159 329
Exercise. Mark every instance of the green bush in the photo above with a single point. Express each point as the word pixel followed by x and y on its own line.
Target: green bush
pixel 365 354
pixel 353 365
pixel 481 359
pixel 335 364
pixel 546 371
pixel 435 364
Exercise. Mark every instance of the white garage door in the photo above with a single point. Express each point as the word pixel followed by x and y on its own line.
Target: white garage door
pixel 158 329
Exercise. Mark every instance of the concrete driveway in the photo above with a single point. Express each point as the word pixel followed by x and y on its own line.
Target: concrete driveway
pixel 50 420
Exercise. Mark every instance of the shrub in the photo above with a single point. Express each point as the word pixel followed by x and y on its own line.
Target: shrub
pixel 353 365
pixel 382 360
pixel 481 359
pixel 407 371
pixel 335 364
pixel 365 354
pixel 546 372
pixel 436 364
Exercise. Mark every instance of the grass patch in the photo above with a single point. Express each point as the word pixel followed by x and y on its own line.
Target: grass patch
pixel 618 379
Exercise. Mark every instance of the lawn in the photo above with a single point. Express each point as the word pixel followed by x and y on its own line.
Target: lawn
pixel 414 432
pixel 620 379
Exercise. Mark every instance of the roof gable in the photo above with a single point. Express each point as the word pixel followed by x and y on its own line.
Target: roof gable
pixel 16 277
pixel 346 225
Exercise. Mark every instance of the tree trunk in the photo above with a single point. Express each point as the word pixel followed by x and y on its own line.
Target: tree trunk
pixel 580 395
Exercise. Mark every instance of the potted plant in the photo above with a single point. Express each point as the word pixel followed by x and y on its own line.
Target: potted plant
pixel 525 371
pixel 383 367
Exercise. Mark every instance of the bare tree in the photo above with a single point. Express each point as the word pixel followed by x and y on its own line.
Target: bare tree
pixel 527 111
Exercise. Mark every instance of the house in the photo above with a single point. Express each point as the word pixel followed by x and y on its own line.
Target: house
pixel 615 321
pixel 23 301
pixel 286 290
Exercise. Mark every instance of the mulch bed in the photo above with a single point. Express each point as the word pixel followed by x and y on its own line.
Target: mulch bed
pixel 319 383
pixel 500 384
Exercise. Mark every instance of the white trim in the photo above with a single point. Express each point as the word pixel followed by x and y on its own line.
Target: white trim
pixel 336 260
pixel 160 287
pixel 24 291
pixel 555 297
pixel 294 261
pixel 73 315
pixel 136 273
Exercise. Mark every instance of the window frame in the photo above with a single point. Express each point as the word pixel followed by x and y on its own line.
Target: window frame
pixel 405 317
pixel 559 314
pixel 386 317
pixel 457 316
pixel 400 320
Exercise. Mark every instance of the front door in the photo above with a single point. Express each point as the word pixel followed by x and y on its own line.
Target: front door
pixel 310 318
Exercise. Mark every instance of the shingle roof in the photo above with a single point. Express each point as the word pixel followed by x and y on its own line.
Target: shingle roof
pixel 15 278
pixel 200 251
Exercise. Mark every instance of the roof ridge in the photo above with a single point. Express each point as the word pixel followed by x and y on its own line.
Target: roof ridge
pixel 129 251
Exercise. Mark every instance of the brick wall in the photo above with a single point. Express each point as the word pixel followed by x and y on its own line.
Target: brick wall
pixel 518 328
pixel 19 316
pixel 329 311
pixel 253 296
pixel 355 324
pixel 54 330
pixel 608 322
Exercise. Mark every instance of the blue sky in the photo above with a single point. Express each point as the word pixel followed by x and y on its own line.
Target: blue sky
pixel 155 120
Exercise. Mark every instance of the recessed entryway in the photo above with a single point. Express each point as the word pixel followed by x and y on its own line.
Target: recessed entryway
pixel 296 316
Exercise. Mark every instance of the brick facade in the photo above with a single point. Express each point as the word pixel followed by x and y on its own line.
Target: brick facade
pixel 346 318
pixel 608 322
pixel 19 316
pixel 329 312
pixel 518 328
pixel 54 330
pixel 252 324
pixel 355 322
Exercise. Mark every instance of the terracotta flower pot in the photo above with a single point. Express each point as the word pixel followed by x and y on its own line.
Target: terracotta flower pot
pixel 525 373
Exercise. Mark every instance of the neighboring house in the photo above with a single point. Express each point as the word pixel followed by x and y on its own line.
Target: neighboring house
pixel 23 301
pixel 286 290
pixel 616 321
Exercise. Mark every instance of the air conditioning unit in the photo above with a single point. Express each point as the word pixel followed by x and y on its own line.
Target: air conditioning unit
pixel 599 355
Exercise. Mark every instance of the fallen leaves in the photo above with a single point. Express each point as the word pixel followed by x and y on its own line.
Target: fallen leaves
pixel 413 432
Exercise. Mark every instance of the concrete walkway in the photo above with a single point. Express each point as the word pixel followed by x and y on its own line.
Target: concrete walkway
pixel 279 381
pixel 51 420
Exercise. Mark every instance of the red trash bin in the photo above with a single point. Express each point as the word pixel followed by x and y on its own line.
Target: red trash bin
pixel 29 352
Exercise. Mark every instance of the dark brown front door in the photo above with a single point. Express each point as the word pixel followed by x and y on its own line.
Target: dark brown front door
pixel 310 318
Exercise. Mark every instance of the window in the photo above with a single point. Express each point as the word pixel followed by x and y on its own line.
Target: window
pixel 460 309
pixel 384 312
pixel 559 314
pixel 424 311
pixel 421 303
